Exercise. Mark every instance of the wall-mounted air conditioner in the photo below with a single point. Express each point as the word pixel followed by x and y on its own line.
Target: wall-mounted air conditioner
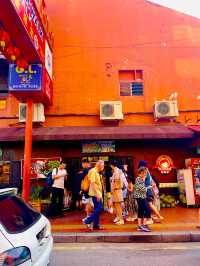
pixel 111 110
pixel 38 112
pixel 165 109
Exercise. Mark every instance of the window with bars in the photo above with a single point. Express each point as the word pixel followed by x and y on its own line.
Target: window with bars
pixel 131 83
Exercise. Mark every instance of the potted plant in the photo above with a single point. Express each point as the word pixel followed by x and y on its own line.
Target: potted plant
pixel 35 199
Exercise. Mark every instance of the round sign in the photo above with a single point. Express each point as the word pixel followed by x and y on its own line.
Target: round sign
pixel 164 164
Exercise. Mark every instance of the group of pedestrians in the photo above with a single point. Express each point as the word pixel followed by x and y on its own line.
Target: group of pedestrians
pixel 113 190
pixel 130 201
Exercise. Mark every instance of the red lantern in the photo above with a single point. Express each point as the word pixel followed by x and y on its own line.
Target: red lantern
pixel 4 38
pixel 13 52
pixel 22 63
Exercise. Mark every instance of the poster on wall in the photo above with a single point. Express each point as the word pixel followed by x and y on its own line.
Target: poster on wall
pixel 40 167
pixel 98 146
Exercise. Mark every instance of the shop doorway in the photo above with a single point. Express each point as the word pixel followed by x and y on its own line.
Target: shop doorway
pixel 73 165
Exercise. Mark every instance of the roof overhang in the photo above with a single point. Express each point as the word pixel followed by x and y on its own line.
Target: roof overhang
pixel 98 133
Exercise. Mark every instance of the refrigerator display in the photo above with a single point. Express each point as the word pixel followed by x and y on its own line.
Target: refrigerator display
pixel 186 187
pixel 194 165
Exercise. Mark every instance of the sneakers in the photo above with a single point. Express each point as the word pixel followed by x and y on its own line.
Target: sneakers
pixel 131 219
pixel 116 220
pixel 84 219
pixel 120 222
pixel 143 228
pixel 149 221
pixel 89 226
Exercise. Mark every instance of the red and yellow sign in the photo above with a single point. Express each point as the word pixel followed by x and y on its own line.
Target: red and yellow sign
pixel 164 164
pixel 31 21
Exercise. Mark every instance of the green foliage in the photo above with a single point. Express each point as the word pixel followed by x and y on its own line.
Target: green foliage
pixel 35 192
pixel 49 166
pixel 167 201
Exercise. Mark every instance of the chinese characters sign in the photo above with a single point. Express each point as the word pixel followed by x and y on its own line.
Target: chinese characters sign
pixel 25 80
pixel 31 21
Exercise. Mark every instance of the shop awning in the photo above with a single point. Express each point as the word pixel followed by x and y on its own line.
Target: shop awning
pixel 195 128
pixel 99 133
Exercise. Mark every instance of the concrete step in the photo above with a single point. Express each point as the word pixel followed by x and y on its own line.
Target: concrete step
pixel 127 237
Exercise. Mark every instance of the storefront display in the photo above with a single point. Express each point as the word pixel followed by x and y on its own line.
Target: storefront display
pixel 194 165
pixel 186 188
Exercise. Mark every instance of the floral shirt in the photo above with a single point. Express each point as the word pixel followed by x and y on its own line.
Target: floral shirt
pixel 140 190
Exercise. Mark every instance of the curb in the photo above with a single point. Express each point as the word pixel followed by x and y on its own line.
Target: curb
pixel 128 237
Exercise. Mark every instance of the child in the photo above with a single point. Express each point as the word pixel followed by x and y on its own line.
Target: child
pixel 140 194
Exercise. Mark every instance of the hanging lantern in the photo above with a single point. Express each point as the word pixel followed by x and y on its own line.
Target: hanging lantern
pixel 22 63
pixel 4 38
pixel 12 52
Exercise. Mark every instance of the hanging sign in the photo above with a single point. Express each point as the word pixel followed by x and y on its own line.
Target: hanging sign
pixel 164 164
pixel 27 12
pixel 25 79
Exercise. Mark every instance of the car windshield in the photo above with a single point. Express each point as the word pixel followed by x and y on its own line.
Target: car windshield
pixel 15 215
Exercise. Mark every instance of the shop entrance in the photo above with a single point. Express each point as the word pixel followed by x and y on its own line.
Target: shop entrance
pixel 73 165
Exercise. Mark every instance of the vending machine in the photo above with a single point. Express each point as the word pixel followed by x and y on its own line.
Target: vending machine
pixel 194 165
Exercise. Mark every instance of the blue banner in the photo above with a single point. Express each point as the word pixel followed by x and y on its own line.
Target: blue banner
pixel 29 79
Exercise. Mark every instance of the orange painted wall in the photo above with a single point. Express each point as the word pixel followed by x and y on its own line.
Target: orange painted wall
pixel 128 34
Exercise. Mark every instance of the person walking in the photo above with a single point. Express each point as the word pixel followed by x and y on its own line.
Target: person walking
pixel 150 192
pixel 96 192
pixel 140 194
pixel 116 191
pixel 58 176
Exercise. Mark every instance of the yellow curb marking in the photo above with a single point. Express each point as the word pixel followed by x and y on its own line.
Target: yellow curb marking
pixel 75 248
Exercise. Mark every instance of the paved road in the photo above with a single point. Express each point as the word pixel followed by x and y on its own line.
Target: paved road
pixel 101 254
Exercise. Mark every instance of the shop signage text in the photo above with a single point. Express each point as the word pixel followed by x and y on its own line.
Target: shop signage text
pixel 31 21
pixel 25 80
pixel 98 146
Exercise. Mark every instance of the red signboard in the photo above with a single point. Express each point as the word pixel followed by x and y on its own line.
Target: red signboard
pixel 31 21
pixel 164 164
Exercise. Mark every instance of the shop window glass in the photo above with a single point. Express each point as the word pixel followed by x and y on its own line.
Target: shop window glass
pixel 131 82
pixel 4 68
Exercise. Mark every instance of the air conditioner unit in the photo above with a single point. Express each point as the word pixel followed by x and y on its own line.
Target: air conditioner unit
pixel 38 112
pixel 111 110
pixel 165 109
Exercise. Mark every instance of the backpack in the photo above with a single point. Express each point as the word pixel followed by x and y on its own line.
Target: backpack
pixel 85 184
pixel 50 180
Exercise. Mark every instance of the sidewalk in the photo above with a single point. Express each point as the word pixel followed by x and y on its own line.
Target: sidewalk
pixel 179 225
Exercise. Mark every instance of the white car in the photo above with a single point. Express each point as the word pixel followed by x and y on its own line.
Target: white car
pixel 25 235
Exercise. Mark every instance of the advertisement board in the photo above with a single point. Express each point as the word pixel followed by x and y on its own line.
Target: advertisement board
pixel 98 146
pixel 40 166
pixel 25 80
